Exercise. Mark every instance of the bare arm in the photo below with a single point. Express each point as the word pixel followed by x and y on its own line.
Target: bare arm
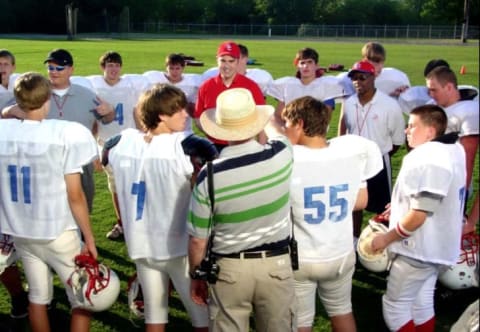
pixel 13 111
pixel 473 216
pixel 362 199
pixel 196 252
pixel 342 129
pixel 410 222
pixel 278 112
pixel 106 110
pixel 78 205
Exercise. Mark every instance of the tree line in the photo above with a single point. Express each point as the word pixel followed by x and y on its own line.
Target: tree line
pixel 48 16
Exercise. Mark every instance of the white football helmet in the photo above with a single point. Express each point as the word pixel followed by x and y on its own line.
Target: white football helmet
pixel 465 273
pixel 95 286
pixel 373 261
pixel 8 254
pixel 135 297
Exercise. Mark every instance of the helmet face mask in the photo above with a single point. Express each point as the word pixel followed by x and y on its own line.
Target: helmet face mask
pixel 373 261
pixel 95 286
pixel 464 274
pixel 8 254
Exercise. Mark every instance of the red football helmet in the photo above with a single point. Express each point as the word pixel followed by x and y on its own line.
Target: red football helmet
pixel 95 285
pixel 464 274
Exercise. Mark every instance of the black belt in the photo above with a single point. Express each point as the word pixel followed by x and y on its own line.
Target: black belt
pixel 256 254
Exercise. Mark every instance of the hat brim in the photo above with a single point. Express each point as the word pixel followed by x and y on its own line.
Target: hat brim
pixel 237 133
pixel 353 71
pixel 229 54
pixel 60 62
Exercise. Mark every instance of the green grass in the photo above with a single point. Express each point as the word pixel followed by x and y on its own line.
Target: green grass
pixel 276 56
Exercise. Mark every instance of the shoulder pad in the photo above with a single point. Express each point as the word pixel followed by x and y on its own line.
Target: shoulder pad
pixel 110 143
pixel 199 148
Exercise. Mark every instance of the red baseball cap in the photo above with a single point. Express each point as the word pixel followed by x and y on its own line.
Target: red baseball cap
pixel 229 48
pixel 362 67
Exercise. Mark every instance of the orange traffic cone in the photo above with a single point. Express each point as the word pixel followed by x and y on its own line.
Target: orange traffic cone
pixel 463 70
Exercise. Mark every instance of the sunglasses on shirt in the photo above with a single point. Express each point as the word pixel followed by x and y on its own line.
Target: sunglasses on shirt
pixel 56 68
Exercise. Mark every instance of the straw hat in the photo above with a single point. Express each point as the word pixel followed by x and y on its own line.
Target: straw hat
pixel 236 117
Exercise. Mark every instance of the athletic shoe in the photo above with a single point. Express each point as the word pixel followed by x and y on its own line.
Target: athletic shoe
pixel 116 233
pixel 19 306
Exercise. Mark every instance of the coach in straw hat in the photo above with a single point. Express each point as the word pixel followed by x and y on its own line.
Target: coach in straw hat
pixel 250 220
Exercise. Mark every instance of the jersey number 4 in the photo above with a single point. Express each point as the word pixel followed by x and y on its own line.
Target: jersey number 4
pixel 119 113
pixel 315 197
pixel 24 172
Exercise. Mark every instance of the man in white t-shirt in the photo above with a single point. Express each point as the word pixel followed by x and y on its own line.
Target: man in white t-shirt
pixel 374 115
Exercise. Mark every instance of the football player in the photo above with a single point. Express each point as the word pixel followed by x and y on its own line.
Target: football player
pixel 43 203
pixel 425 220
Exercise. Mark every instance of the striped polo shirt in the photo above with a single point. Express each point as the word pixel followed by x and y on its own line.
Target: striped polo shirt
pixel 251 183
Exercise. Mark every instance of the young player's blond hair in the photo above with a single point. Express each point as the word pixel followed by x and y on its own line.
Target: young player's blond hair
pixel 375 52
pixel 31 91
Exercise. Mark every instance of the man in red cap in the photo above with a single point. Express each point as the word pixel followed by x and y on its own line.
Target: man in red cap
pixel 374 115
pixel 228 55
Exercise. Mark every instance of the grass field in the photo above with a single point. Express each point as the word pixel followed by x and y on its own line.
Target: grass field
pixel 276 56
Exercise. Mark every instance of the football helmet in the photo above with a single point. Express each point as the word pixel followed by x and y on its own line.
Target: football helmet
pixel 464 274
pixel 8 254
pixel 135 297
pixel 373 261
pixel 94 285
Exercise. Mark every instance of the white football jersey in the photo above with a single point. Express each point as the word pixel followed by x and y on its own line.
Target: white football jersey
pixel 123 96
pixel 287 89
pixel 463 117
pixel 189 83
pixel 413 97
pixel 82 81
pixel 439 169
pixel 390 79
pixel 34 157
pixel 153 188
pixel 324 187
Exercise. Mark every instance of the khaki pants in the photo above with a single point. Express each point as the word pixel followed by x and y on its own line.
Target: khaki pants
pixel 264 285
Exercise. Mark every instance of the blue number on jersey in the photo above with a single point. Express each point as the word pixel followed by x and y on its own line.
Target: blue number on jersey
pixel 119 113
pixel 335 202
pixel 140 190
pixel 25 178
